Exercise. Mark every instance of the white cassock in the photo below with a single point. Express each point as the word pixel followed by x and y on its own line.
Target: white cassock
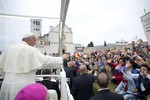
pixel 20 63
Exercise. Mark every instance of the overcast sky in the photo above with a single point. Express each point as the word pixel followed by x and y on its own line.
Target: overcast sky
pixel 90 20
pixel 110 20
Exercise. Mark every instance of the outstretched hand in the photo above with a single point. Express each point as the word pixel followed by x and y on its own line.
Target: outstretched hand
pixel 139 41
pixel 118 66
pixel 64 56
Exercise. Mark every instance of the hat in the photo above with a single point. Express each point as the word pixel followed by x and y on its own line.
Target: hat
pixel 35 91
pixel 27 35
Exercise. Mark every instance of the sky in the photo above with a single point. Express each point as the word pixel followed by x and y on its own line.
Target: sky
pixel 106 20
pixel 90 20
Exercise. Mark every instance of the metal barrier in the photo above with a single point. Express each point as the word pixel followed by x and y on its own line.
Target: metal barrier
pixel 64 88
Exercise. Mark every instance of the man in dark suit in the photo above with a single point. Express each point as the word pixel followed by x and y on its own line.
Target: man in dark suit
pixel 82 85
pixel 50 84
pixel 104 93
pixel 70 72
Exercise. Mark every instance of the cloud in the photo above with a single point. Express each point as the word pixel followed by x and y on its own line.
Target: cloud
pixel 90 20
pixel 110 20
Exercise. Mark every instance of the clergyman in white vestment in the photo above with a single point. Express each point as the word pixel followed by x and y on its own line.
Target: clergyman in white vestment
pixel 20 63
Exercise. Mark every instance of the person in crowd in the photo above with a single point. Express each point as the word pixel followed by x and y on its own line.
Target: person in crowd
pixel 50 84
pixel 141 49
pixel 78 63
pixel 70 72
pixel 104 93
pixel 34 91
pixel 132 66
pixel 118 76
pixel 66 60
pixel 143 80
pixel 95 71
pixel 102 63
pixel 82 86
pixel 127 87
pixel 20 63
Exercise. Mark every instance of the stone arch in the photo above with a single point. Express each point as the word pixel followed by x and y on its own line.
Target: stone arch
pixel 64 49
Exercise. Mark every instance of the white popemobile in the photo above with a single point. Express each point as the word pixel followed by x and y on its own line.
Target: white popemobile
pixel 64 88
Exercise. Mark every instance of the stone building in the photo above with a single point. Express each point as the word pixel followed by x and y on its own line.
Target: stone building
pixel 49 43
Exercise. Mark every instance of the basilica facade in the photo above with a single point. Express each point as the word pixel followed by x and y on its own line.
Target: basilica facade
pixel 49 43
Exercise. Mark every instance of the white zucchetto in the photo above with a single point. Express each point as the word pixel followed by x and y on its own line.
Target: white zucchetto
pixel 27 35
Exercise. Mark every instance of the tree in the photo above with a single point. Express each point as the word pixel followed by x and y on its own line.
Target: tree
pixel 90 44
pixel 105 43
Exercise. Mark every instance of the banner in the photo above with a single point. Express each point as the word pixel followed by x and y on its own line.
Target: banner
pixel 145 19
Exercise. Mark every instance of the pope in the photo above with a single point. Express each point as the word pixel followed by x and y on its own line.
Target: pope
pixel 20 63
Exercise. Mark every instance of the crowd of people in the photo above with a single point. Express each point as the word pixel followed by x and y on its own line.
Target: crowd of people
pixel 127 68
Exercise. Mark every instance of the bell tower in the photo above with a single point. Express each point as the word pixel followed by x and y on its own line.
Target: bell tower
pixel 36 27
